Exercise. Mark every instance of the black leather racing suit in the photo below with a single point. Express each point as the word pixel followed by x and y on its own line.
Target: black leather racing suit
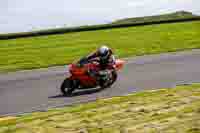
pixel 104 62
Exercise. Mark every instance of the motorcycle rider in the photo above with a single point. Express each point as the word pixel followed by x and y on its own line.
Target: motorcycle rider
pixel 105 56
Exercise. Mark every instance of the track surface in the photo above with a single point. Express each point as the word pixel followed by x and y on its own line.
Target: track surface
pixel 28 91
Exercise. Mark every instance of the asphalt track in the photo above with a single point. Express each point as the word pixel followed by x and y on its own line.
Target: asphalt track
pixel 27 91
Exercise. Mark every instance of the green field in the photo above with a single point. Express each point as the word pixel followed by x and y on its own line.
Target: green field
pixel 159 111
pixel 52 50
pixel 170 16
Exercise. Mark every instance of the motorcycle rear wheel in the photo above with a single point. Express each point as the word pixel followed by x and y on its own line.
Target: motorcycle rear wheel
pixel 67 87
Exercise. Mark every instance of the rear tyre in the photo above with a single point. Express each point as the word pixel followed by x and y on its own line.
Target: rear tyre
pixel 67 87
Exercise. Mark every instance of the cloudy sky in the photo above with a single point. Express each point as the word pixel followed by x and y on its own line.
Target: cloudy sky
pixel 26 15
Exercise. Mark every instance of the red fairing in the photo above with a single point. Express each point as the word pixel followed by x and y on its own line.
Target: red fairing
pixel 81 73
pixel 119 64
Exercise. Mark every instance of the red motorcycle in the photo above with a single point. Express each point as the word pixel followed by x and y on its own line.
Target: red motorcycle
pixel 81 78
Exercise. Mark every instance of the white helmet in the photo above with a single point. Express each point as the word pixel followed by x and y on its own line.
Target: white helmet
pixel 104 51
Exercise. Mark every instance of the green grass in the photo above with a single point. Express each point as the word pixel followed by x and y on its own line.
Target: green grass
pixel 170 16
pixel 45 51
pixel 165 110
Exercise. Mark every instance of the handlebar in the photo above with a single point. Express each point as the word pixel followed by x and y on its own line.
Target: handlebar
pixel 83 61
pixel 94 61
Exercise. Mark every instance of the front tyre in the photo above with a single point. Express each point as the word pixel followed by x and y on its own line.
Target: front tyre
pixel 113 78
pixel 110 81
pixel 67 87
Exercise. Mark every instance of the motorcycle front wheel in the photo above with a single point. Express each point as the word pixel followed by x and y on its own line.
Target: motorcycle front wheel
pixel 106 84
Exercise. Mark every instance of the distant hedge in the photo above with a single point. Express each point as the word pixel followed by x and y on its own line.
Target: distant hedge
pixel 89 28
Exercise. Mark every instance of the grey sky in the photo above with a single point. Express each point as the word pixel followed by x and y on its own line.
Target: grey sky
pixel 26 15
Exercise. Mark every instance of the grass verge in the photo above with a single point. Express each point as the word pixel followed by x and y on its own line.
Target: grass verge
pixel 45 51
pixel 164 110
